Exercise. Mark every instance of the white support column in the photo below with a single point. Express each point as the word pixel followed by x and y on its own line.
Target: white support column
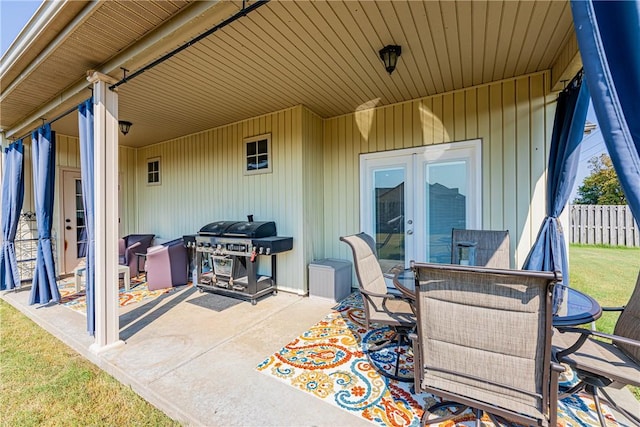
pixel 105 160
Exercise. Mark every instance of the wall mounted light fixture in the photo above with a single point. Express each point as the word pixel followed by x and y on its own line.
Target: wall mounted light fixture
pixel 389 55
pixel 124 126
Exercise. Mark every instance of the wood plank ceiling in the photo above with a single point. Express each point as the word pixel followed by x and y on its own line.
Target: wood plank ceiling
pixel 325 55
pixel 108 30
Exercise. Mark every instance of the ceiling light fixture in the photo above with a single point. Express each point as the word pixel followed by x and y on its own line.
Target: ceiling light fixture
pixel 124 126
pixel 389 55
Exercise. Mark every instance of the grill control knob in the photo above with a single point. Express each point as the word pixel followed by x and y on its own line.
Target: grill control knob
pixel 268 251
pixel 261 250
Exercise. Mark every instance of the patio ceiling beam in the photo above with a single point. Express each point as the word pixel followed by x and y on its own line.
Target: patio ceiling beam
pixel 233 18
pixel 192 21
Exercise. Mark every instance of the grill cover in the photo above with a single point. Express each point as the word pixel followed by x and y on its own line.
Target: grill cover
pixel 216 228
pixel 254 229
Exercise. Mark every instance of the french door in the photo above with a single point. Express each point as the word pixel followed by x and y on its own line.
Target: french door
pixel 74 231
pixel 412 198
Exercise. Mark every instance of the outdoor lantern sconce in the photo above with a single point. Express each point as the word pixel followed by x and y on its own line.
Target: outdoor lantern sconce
pixel 389 55
pixel 124 126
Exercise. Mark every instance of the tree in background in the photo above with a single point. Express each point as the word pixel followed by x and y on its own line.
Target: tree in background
pixel 602 187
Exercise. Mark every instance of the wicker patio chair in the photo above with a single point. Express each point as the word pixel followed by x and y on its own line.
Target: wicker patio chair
pixel 491 246
pixel 484 342
pixel 614 361
pixel 380 306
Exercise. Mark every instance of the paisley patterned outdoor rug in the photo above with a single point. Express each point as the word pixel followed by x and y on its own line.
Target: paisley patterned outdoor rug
pixel 328 361
pixel 78 301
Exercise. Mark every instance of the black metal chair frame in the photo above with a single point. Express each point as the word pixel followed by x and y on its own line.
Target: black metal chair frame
pixel 400 332
pixel 590 382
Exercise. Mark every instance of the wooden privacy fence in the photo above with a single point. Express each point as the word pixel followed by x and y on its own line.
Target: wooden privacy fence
pixel 603 224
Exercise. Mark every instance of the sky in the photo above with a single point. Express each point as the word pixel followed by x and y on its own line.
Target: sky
pixel 592 146
pixel 14 15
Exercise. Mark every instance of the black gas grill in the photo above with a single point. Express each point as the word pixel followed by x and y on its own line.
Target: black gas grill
pixel 228 255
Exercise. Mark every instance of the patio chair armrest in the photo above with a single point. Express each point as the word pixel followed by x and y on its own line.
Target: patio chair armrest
pixel 557 367
pixel 388 297
pixel 133 245
pixel 590 332
pixel 375 294
pixel 585 334
pixel 129 252
pixel 613 308
pixel 153 249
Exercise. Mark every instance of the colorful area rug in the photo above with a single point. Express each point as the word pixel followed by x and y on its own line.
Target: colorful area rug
pixel 328 361
pixel 78 300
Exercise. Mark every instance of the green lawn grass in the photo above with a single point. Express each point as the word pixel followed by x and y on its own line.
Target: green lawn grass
pixel 43 382
pixel 609 275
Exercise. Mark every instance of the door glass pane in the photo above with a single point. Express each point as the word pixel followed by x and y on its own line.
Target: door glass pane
pixel 446 207
pixel 389 216
pixel 81 232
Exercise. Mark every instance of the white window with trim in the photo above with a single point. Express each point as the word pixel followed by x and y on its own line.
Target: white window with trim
pixel 153 171
pixel 257 152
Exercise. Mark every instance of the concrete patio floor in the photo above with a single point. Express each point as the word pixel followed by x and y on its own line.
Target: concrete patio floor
pixel 198 365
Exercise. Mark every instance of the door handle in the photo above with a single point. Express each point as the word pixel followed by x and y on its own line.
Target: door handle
pixel 68 227
pixel 409 231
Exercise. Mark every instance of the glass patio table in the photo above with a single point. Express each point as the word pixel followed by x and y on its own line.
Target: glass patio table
pixel 576 307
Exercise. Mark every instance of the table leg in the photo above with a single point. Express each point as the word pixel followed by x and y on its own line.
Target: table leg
pixel 78 279
pixel 124 270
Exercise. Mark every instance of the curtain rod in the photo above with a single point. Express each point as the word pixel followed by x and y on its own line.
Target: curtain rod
pixel 55 119
pixel 243 12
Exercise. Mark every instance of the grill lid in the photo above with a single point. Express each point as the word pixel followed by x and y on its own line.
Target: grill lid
pixel 254 229
pixel 216 228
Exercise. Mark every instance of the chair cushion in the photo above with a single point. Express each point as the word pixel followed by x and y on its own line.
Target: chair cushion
pixel 600 358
